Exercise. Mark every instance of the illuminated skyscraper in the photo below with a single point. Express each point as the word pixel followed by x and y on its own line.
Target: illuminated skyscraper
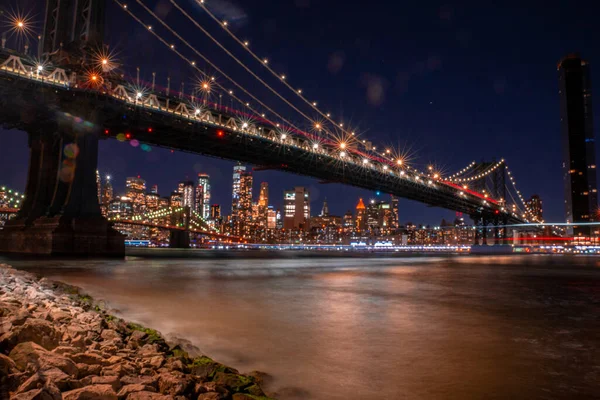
pixel 186 188
pixel 578 142
pixel 203 196
pixel 176 199
pixel 534 204
pixel 107 195
pixel 241 216
pixel 99 187
pixel 296 209
pixel 215 212
pixel 154 189
pixel 237 171
pixel 152 201
pixel 135 189
pixel 360 223
pixel 325 209
pixel 395 222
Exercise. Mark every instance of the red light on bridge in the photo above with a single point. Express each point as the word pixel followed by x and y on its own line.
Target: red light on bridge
pixel 220 133
pixel 149 130
pixel 106 132
pixel 128 136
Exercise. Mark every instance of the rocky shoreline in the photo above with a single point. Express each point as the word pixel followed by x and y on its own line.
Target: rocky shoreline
pixel 58 343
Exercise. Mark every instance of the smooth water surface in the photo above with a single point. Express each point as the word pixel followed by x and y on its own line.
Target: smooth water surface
pixel 414 328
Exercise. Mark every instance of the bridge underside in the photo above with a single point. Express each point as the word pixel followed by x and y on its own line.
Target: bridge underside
pixel 61 213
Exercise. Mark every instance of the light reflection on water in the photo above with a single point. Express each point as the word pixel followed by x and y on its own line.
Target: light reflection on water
pixel 430 328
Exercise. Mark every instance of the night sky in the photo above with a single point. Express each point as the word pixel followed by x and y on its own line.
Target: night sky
pixel 451 82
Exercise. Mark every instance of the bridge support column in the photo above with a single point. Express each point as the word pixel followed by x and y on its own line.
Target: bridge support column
pixel 484 233
pixel 179 239
pixel 61 213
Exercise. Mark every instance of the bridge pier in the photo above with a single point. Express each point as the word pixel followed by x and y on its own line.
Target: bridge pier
pixel 179 239
pixel 61 213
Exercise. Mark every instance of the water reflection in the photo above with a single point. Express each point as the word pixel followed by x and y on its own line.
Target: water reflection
pixel 431 328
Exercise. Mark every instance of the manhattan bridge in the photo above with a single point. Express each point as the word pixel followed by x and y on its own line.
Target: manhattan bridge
pixel 70 92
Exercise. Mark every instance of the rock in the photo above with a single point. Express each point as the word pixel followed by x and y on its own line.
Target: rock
pixel 54 376
pixel 156 361
pixel 34 330
pixel 143 380
pixel 174 364
pixel 138 387
pixel 107 380
pixel 110 334
pixel 19 317
pixel 212 387
pixel 7 365
pixel 30 353
pixel 87 370
pixel 5 326
pixel 92 392
pixel 148 396
pixel 88 358
pixel 49 392
pixel 233 381
pixel 255 390
pixel 242 396
pixel 65 350
pixel 174 384
pixel 119 370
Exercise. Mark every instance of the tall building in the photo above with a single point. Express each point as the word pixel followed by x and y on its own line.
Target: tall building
pixel 176 199
pixel 241 206
pixel 135 189
pixel 154 189
pixel 534 204
pixel 107 195
pixel 348 223
pixel 361 219
pixel 296 205
pixel 121 208
pixel 395 223
pixel 325 209
pixel 152 201
pixel 578 142
pixel 203 196
pixel 99 187
pixel 186 188
pixel 215 212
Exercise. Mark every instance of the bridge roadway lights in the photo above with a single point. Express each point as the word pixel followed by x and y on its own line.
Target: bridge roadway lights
pixel 60 214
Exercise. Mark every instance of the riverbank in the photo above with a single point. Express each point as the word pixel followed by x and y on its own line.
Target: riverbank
pixel 56 342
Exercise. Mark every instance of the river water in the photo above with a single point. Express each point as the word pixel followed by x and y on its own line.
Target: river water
pixel 397 328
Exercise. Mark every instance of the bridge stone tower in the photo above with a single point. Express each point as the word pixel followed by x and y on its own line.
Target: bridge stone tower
pixel 72 28
pixel 61 212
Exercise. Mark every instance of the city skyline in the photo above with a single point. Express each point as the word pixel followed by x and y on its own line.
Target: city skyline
pixel 502 113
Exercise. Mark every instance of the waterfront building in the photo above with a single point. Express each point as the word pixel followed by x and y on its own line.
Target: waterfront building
pixel 152 201
pixel 121 208
pixel 99 187
pixel 135 189
pixel 186 188
pixel 578 142
pixel 154 189
pixel 215 212
pixel 360 221
pixel 534 204
pixel 395 221
pixel 296 204
pixel 241 207
pixel 203 196
pixel 325 209
pixel 348 223
pixel 107 196
pixel 176 199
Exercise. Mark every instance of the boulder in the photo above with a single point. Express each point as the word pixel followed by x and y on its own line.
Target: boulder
pixel 137 379
pixel 92 392
pixel 110 334
pixel 29 353
pixel 233 381
pixel 51 376
pixel 87 370
pixel 138 387
pixel 107 380
pixel 174 383
pixel 49 392
pixel 156 361
pixel 7 365
pixel 33 330
pixel 88 358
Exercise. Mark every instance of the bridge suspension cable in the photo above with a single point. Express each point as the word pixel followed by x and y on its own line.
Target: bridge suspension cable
pixel 462 171
pixel 193 64
pixel 246 46
pixel 238 60
pixel 479 175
